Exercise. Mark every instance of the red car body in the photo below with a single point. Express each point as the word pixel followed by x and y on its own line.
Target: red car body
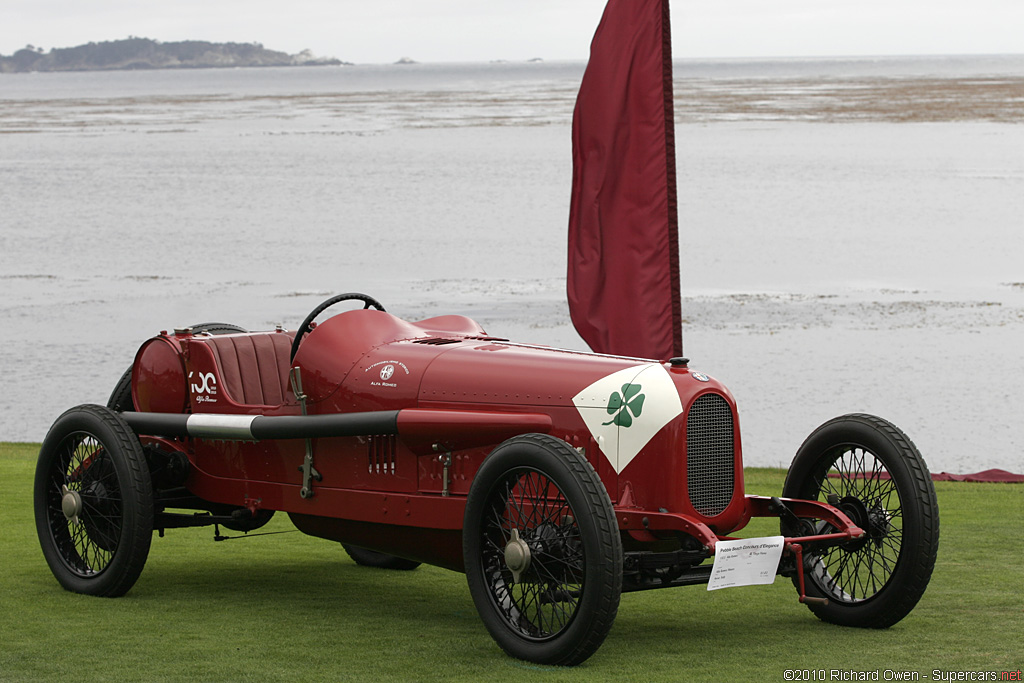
pixel 555 479
pixel 459 392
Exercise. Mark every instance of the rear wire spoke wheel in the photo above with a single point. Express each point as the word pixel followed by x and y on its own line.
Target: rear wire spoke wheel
pixel 93 502
pixel 372 558
pixel 542 551
pixel 869 469
pixel 247 523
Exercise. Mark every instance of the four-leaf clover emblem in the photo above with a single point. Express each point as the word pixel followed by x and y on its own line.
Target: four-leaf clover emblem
pixel 625 406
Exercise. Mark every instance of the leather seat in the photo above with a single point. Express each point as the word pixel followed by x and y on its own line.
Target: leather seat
pixel 253 367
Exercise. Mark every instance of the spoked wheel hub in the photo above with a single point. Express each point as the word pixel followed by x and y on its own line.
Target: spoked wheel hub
pixel 879 523
pixel 854 509
pixel 547 540
pixel 517 556
pixel 70 504
pixel 876 521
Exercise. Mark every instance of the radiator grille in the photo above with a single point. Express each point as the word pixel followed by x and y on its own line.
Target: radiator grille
pixel 710 454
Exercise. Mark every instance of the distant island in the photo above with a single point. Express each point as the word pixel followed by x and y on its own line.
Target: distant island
pixel 144 53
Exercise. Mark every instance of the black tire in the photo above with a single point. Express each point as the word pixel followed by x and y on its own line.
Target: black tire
pixel 218 328
pixel 93 502
pixel 121 397
pixel 247 524
pixel 875 475
pixel 371 558
pixel 563 603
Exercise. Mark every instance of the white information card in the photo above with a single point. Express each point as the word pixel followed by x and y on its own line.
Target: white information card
pixel 745 562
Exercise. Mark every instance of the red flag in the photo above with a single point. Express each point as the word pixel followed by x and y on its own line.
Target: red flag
pixel 623 279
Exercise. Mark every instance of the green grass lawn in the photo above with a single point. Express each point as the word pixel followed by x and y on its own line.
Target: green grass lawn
pixel 288 607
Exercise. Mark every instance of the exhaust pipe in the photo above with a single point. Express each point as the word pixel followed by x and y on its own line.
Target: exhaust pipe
pixel 422 428
pixel 258 427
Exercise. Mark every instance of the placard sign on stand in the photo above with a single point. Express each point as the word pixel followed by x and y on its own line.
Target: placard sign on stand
pixel 746 562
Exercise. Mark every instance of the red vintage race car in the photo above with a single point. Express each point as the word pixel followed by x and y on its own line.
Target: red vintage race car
pixel 554 479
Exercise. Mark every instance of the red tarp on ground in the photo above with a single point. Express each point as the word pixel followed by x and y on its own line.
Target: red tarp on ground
pixel 623 274
pixel 1001 476
pixel 986 476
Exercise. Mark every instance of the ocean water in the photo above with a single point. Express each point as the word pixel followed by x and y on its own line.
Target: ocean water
pixel 852 229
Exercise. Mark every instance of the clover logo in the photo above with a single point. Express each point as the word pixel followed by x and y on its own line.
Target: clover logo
pixel 625 406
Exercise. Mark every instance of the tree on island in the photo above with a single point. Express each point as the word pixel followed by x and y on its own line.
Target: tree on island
pixel 145 53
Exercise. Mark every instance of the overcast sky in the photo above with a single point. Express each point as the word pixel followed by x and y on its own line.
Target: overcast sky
pixel 382 31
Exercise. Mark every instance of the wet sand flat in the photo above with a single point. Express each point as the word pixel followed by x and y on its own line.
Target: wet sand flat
pixel 850 242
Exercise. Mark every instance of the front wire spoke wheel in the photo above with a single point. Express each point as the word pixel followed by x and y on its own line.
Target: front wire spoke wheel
pixel 93 502
pixel 872 472
pixel 533 507
pixel 542 551
pixel 862 568
pixel 83 487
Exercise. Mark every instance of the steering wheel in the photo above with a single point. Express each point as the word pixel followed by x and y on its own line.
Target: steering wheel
pixel 304 328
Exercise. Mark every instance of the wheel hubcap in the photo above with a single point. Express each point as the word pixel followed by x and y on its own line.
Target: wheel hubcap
pixel 517 555
pixel 70 504
pixel 854 509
